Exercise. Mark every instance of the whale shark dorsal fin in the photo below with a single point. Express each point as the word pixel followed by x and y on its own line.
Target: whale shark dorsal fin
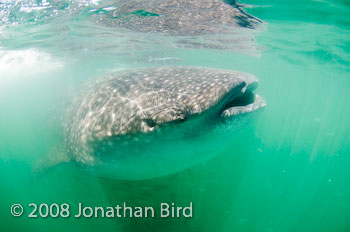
pixel 55 157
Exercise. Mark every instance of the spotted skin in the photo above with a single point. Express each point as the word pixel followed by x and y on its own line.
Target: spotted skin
pixel 126 105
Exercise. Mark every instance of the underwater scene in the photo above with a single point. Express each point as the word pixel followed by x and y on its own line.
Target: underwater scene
pixel 175 115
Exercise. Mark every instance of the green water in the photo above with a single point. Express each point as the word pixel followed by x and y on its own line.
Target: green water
pixel 288 171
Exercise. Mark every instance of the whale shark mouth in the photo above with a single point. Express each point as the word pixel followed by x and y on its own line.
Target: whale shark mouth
pixel 243 103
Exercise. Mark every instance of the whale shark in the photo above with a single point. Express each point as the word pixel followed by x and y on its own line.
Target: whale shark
pixel 151 122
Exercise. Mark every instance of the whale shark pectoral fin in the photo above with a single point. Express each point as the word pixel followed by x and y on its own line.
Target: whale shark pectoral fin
pixel 54 158
pixel 233 111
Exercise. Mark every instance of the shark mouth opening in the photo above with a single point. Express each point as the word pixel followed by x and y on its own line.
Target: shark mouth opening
pixel 242 104
pixel 244 100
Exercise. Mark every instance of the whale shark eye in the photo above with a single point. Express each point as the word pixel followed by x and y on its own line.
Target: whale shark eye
pixel 150 123
pixel 181 118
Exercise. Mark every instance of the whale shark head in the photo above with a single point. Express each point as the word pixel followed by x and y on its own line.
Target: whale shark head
pixel 157 120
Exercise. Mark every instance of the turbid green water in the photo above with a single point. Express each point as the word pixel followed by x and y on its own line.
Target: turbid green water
pixel 288 171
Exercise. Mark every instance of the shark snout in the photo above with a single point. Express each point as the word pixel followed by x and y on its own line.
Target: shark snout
pixel 244 101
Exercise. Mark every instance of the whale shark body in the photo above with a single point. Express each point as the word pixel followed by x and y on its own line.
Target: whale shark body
pixel 152 122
